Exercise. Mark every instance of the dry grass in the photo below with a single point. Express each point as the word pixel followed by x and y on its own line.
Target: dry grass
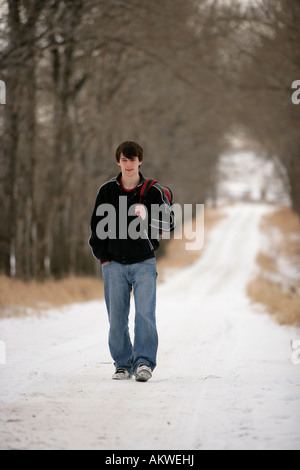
pixel 285 306
pixel 17 296
pixel 288 223
pixel 282 302
pixel 266 262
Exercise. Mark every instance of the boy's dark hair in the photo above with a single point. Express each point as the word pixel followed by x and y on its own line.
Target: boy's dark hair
pixel 130 150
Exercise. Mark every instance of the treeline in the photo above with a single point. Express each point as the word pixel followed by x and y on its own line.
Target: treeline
pixel 270 63
pixel 178 76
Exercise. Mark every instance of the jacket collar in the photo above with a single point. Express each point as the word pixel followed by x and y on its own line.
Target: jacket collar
pixel 142 179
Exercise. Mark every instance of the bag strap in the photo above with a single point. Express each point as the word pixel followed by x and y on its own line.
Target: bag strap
pixel 145 188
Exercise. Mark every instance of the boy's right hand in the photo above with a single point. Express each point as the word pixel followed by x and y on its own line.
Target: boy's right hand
pixel 141 211
pixel 106 263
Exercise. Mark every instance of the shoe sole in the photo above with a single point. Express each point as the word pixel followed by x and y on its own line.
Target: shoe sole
pixel 121 378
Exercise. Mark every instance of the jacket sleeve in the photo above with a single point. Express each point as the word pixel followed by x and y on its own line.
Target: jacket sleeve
pixel 162 218
pixel 99 247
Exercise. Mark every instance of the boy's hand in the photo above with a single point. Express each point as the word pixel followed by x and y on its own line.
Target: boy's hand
pixel 141 211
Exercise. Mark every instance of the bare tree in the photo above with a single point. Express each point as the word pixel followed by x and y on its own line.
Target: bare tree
pixel 264 50
pixel 176 76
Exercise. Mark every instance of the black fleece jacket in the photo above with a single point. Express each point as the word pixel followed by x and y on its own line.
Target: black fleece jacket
pixel 124 249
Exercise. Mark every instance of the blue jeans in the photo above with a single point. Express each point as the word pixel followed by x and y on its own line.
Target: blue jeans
pixel 119 280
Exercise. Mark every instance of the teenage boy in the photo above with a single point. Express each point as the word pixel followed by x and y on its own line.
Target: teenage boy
pixel 128 260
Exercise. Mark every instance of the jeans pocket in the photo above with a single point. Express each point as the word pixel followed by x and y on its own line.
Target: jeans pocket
pixel 105 270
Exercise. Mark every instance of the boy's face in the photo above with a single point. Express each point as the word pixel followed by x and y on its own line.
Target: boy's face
pixel 129 167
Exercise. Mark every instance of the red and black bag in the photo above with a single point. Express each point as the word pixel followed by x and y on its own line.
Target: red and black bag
pixel 147 185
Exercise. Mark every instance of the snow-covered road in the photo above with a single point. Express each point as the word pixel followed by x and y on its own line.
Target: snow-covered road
pixel 225 379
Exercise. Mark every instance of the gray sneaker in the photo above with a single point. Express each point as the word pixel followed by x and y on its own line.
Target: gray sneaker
pixel 121 374
pixel 143 373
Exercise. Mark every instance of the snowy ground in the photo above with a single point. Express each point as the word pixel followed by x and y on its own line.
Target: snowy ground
pixel 225 378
